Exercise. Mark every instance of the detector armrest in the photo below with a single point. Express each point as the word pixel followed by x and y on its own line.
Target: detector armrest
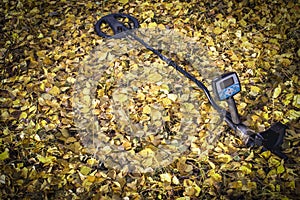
pixel 272 139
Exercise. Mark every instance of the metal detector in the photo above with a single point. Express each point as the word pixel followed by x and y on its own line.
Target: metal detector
pixel 224 88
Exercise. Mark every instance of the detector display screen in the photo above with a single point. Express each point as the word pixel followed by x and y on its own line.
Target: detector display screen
pixel 226 86
pixel 227 82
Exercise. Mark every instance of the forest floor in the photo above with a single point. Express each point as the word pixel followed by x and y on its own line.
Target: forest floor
pixel 44 153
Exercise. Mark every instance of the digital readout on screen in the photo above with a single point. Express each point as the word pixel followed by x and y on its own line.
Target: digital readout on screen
pixel 226 83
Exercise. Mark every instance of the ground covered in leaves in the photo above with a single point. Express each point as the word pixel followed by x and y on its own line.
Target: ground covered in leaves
pixel 41 154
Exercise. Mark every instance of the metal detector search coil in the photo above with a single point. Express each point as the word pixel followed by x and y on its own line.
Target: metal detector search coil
pixel 226 86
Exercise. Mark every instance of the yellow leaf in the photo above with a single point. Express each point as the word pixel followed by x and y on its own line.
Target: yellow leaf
pixel 86 100
pixel 188 168
pixel 212 165
pixel 183 198
pixel 250 64
pixel 32 108
pixel 291 185
pixel 147 109
pixel 23 115
pixel 250 157
pixel 167 118
pixel 188 107
pixel 251 185
pixel 293 114
pixel 164 88
pixel 5 115
pixel 54 91
pixel 126 145
pixel 273 41
pixel 143 25
pixel 155 114
pixel 277 188
pixel 123 1
pixel 236 184
pixel 189 190
pixel 277 92
pixel 71 80
pixel 255 118
pixel 197 188
pixel 154 77
pixel 234 57
pixel 215 176
pixel 37 137
pixel 285 62
pixel 218 30
pixel 238 33
pixel 40 35
pixel 254 90
pixel 175 180
pixel 280 169
pixel 147 162
pixel 168 6
pixel 6 131
pixel 141 96
pixel 70 140
pixel 147 152
pixel 4 155
pixel 245 169
pixel 224 24
pixel 152 25
pixel 46 160
pixel 278 115
pixel 41 53
pixel 120 97
pixel 296 101
pixel 42 86
pixel 166 177
pixel 273 161
pixel 262 22
pixel 225 158
pixel 43 123
pixel 161 26
pixel 288 99
pixel 243 23
pixel 86 91
pixel 231 19
pixel 91 178
pixel 261 173
pixel 85 170
pixel 272 173
pixel 173 97
pixel 166 102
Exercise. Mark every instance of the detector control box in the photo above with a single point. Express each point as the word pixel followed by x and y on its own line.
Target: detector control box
pixel 226 86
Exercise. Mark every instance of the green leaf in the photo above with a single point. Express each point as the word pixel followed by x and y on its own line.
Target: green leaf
pixel 85 170
pixel 46 160
pixel 4 155
pixel 280 169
